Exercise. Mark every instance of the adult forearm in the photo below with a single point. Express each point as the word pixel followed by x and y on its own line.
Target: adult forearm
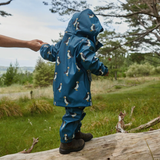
pixel 12 42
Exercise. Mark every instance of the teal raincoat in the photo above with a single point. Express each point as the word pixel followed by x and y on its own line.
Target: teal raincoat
pixel 75 60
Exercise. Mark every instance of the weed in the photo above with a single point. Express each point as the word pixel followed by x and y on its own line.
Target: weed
pixel 40 106
pixel 9 108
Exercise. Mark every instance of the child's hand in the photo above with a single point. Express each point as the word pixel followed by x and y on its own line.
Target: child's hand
pixel 107 74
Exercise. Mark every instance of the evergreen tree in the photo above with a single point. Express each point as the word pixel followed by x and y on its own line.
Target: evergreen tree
pixel 10 75
pixel 113 59
pixel 43 73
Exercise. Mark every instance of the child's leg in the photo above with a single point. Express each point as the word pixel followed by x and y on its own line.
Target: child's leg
pixel 71 123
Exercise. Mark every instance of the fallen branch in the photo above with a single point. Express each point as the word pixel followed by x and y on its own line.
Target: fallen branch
pixel 120 125
pixel 147 125
pixel 35 141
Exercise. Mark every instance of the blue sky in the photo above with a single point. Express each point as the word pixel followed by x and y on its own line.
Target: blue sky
pixel 30 19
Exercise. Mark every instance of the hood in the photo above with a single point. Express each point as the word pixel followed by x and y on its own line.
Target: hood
pixel 85 24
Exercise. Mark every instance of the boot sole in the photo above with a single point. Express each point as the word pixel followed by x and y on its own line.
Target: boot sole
pixel 86 140
pixel 63 151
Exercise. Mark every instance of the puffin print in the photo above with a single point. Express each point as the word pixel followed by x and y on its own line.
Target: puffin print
pixel 74 115
pixel 75 22
pixel 69 54
pixel 65 137
pixel 67 71
pixel 76 86
pixel 49 52
pixel 91 15
pixel 87 97
pixel 77 26
pixel 83 56
pixel 77 67
pixel 66 101
pixel 95 58
pixel 46 46
pixel 67 41
pixel 63 125
pixel 55 76
pixel 58 61
pixel 101 72
pixel 60 87
pixel 93 27
pixel 88 43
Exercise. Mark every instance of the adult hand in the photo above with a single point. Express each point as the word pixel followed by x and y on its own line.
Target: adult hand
pixel 35 45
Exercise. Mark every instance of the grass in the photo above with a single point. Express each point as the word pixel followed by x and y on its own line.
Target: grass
pixel 17 131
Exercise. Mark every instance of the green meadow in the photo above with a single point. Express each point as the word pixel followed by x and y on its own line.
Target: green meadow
pixel 23 118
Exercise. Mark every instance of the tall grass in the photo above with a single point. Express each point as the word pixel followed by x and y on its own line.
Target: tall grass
pixel 17 132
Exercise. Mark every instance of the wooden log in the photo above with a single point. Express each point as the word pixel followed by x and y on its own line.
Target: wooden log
pixel 119 146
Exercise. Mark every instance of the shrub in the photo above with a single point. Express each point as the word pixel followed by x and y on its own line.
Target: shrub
pixel 9 108
pixel 140 70
pixel 40 106
pixel 157 69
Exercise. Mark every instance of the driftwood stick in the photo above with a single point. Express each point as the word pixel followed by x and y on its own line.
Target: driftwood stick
pixel 147 125
pixel 120 125
pixel 132 111
pixel 35 141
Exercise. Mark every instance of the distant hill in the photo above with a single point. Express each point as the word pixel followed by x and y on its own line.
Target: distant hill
pixel 3 69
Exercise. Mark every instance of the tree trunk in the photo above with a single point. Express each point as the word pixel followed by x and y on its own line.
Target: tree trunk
pixel 119 146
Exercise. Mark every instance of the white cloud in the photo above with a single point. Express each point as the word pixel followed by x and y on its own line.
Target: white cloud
pixel 41 25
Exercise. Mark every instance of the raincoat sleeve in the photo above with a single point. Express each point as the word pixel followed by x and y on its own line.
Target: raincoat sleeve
pixel 49 52
pixel 87 57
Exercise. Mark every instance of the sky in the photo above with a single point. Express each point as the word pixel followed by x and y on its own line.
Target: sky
pixel 30 19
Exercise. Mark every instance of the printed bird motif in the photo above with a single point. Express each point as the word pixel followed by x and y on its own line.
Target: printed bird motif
pixel 46 46
pixel 83 56
pixel 95 58
pixel 75 22
pixel 67 71
pixel 91 15
pixel 66 137
pixel 101 72
pixel 76 86
pixel 93 27
pixel 63 124
pixel 58 61
pixel 77 26
pixel 88 43
pixel 77 67
pixel 66 101
pixel 49 52
pixel 69 54
pixel 87 97
pixel 55 76
pixel 67 41
pixel 60 87
pixel 74 115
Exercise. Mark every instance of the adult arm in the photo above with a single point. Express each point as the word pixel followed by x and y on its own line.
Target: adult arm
pixel 34 45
